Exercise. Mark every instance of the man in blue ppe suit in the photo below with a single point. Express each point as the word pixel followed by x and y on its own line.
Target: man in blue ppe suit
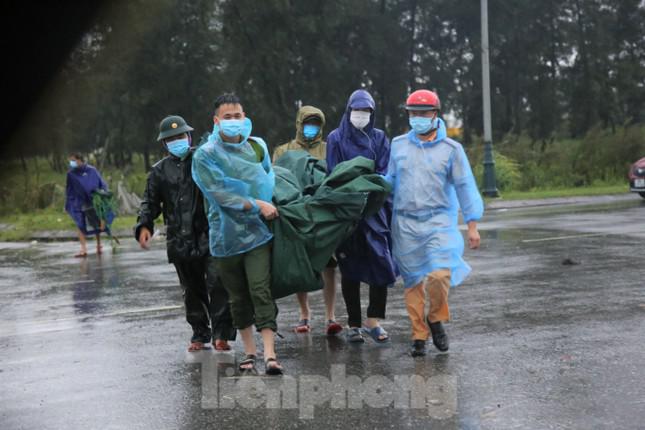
pixel 432 180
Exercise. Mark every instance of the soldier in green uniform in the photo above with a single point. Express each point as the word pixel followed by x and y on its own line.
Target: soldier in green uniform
pixel 171 191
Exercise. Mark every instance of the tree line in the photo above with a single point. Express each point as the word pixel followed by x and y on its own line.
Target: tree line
pixel 558 68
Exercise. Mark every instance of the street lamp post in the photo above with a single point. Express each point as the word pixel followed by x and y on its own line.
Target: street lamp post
pixel 490 187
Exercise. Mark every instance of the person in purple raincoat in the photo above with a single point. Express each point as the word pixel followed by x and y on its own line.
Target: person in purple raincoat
pixel 366 256
pixel 82 180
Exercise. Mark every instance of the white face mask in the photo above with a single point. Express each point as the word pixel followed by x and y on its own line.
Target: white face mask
pixel 359 119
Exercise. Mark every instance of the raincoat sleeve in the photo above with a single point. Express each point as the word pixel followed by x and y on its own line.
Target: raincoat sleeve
pixel 383 156
pixel 461 176
pixel 333 155
pixel 150 204
pixel 218 189
pixel 390 173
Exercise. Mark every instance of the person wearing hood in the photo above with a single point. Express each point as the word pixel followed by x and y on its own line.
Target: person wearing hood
pixel 432 180
pixel 310 122
pixel 170 190
pixel 366 255
pixel 82 181
pixel 233 170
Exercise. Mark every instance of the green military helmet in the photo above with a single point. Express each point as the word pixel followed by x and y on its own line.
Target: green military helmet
pixel 172 125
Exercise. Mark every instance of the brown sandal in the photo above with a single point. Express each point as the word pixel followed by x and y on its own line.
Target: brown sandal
pixel 302 326
pixel 195 346
pixel 222 345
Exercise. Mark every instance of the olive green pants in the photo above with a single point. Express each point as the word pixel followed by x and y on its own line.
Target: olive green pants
pixel 247 279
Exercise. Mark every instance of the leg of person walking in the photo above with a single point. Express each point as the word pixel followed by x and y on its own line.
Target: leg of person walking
pixel 257 266
pixel 329 295
pixel 83 241
pixel 376 312
pixel 193 282
pixel 415 303
pixel 352 295
pixel 303 325
pixel 438 286
pixel 219 309
pixel 232 273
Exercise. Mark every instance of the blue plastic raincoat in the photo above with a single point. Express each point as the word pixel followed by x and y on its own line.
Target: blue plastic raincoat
pixel 366 256
pixel 81 182
pixel 431 181
pixel 230 175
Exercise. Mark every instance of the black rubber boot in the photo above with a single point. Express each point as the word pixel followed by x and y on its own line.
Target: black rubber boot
pixel 439 336
pixel 418 348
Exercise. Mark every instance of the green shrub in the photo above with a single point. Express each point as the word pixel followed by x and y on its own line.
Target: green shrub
pixel 601 157
pixel 507 173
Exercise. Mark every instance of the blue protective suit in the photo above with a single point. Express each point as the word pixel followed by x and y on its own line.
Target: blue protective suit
pixel 366 256
pixel 431 181
pixel 230 175
pixel 81 182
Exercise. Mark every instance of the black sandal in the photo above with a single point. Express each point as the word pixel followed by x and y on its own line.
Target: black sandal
pixel 249 359
pixel 274 369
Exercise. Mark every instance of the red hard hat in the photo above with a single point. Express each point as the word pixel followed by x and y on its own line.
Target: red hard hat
pixel 423 100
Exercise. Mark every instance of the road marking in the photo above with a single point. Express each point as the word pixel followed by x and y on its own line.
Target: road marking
pixel 576 236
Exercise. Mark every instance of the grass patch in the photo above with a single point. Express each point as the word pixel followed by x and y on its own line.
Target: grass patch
pixel 596 190
pixel 18 227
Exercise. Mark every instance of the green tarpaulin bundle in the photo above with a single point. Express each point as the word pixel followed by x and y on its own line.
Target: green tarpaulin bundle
pixel 104 207
pixel 316 214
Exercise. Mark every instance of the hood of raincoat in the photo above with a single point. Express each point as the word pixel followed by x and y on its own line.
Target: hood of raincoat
pixel 347 142
pixel 354 141
pixel 304 113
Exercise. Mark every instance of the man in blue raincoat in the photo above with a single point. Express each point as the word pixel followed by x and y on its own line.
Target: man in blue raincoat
pixel 82 181
pixel 233 171
pixel 431 179
pixel 365 256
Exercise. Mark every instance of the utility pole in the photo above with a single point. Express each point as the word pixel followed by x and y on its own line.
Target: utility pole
pixel 490 187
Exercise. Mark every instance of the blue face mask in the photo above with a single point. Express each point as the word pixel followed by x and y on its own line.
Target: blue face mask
pixel 73 164
pixel 310 131
pixel 179 148
pixel 422 125
pixel 231 127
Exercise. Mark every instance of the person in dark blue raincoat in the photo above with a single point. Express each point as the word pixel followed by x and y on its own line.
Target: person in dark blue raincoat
pixel 82 180
pixel 366 256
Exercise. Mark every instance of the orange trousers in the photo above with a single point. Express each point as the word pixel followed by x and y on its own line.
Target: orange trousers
pixel 437 284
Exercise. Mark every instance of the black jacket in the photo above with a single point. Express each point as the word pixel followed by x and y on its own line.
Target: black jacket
pixel 171 190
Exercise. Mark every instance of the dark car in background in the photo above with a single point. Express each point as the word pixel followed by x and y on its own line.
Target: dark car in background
pixel 637 177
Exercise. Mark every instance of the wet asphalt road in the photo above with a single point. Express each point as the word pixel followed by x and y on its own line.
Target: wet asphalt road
pixel 535 343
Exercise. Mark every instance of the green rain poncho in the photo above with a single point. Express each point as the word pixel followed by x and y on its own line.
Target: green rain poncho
pixel 316 214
